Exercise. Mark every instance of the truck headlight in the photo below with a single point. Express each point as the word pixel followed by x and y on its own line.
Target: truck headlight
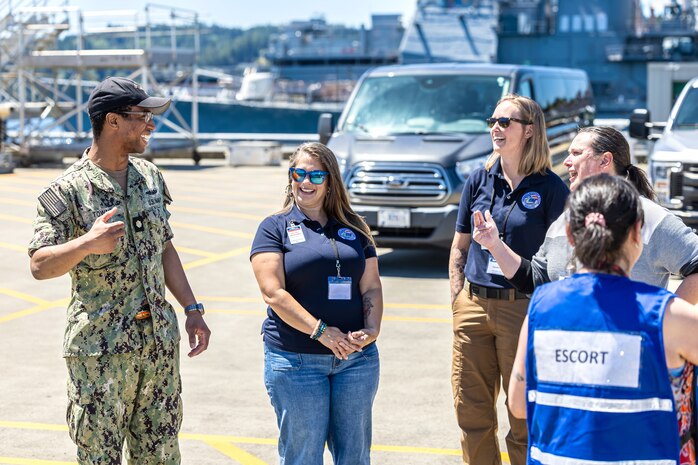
pixel 660 172
pixel 465 167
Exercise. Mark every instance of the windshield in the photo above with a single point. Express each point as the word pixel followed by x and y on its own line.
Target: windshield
pixel 438 104
pixel 687 116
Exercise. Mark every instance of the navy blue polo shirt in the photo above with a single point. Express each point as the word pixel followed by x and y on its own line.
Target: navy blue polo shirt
pixel 307 265
pixel 522 216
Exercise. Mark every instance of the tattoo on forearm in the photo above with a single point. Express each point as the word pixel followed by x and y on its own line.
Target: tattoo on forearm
pixel 456 270
pixel 519 377
pixel 368 306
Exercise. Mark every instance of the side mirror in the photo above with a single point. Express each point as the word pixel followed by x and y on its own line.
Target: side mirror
pixel 325 127
pixel 639 124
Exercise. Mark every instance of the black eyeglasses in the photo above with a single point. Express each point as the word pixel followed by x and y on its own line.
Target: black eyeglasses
pixel 504 122
pixel 316 177
pixel 147 115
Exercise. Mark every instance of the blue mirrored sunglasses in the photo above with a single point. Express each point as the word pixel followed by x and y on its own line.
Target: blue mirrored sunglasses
pixel 316 177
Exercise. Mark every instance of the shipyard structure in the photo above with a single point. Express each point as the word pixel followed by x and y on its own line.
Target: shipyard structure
pixel 613 41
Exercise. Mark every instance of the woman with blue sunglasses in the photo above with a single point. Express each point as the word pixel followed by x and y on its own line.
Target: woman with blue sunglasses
pixel 316 266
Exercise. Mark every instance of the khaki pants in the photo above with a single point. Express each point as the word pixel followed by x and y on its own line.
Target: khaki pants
pixel 485 336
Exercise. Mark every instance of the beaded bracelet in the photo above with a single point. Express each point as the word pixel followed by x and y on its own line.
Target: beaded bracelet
pixel 321 329
pixel 317 326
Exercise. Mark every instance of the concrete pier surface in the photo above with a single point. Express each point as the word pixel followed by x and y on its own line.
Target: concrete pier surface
pixel 227 415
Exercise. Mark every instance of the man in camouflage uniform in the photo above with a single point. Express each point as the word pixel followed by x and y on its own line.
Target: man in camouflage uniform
pixel 105 221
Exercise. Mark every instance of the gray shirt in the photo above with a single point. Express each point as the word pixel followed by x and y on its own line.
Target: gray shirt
pixel 669 247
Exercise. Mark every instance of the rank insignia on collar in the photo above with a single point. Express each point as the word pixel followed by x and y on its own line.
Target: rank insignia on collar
pixel 138 223
pixel 52 203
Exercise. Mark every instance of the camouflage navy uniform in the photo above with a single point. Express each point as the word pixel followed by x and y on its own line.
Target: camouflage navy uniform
pixel 124 379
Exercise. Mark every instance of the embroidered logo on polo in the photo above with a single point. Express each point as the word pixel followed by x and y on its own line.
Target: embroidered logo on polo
pixel 346 233
pixel 531 200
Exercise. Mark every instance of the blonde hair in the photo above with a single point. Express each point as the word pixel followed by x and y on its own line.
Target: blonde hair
pixel 336 203
pixel 536 152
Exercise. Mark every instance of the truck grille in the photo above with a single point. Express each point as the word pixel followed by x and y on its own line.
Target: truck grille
pixel 416 184
pixel 683 186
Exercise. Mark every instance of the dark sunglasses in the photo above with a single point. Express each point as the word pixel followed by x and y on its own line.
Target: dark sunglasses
pixel 504 122
pixel 316 177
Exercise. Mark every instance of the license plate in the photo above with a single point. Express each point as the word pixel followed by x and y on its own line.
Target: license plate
pixel 394 218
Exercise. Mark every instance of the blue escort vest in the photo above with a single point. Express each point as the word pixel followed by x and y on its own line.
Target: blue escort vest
pixel 597 381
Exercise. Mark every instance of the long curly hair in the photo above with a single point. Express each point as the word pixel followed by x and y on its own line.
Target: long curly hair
pixel 336 202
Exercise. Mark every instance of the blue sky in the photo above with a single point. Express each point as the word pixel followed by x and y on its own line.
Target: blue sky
pixel 244 13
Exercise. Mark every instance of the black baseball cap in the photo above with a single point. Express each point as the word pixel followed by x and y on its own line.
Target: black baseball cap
pixel 117 92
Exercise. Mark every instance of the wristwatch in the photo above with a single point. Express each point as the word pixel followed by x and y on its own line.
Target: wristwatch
pixel 198 307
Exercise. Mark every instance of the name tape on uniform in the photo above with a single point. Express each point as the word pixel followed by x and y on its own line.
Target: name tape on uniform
pixel 591 358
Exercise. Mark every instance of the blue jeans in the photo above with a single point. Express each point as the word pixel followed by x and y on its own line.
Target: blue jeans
pixel 320 398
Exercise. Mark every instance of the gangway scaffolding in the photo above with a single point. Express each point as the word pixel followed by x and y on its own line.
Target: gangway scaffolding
pixel 45 89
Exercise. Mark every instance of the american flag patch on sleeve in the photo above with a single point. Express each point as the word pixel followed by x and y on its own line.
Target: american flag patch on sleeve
pixel 52 203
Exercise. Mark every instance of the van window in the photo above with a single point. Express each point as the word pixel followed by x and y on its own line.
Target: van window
pixel 552 96
pixel 430 104
pixel 577 92
pixel 524 89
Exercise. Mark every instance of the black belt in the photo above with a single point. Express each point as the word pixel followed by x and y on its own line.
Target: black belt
pixel 496 293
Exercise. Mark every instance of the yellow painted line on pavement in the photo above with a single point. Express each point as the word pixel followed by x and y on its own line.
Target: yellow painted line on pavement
pixel 222 232
pixel 15 247
pixel 33 310
pixel 19 190
pixel 20 461
pixel 22 296
pixel 224 442
pixel 16 219
pixel 189 250
pixel 404 319
pixel 203 211
pixel 30 182
pixel 216 258
pixel 259 299
pixel 416 319
pixel 214 192
pixel 235 453
pixel 23 203
pixel 271 206
pixel 32 426
pixel 224 311
pixel 416 450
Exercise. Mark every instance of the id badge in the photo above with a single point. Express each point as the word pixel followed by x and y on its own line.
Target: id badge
pixel 493 267
pixel 295 234
pixel 338 288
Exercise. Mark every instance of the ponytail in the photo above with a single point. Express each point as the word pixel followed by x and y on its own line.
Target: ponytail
pixel 638 178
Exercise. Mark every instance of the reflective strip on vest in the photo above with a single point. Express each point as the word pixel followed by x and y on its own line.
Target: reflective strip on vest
pixel 594 404
pixel 551 459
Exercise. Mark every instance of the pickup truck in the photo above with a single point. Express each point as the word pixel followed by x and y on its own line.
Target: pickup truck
pixel 673 160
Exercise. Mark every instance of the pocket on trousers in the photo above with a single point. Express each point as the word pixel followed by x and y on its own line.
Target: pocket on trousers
pixel 80 404
pixel 280 360
pixel 370 353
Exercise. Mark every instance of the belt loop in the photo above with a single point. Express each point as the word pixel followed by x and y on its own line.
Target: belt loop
pixel 470 289
pixel 512 295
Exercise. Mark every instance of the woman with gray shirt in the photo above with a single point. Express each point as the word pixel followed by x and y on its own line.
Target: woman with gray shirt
pixel 669 245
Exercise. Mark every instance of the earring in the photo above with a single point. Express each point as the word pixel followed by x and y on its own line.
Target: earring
pixel 288 191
